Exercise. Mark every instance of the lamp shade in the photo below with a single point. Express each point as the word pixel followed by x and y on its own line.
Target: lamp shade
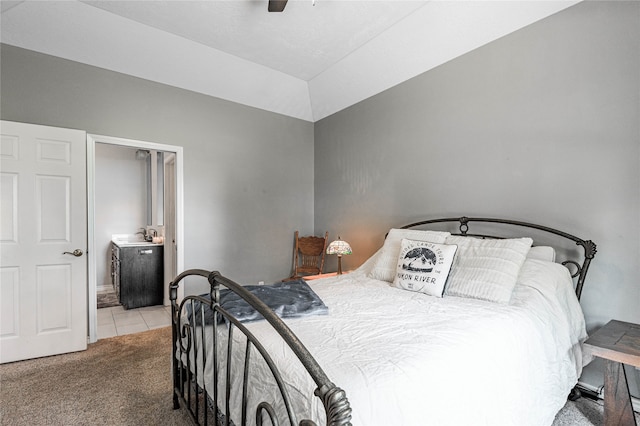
pixel 339 247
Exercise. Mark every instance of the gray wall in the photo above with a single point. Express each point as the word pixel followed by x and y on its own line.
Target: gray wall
pixel 248 174
pixel 541 125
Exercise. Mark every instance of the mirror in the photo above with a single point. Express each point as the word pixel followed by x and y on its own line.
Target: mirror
pixel 155 185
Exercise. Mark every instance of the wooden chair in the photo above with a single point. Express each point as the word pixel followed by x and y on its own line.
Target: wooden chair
pixel 308 255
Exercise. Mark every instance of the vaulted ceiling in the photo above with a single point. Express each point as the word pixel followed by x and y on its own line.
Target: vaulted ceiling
pixel 308 62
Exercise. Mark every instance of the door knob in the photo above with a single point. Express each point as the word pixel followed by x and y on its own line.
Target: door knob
pixel 76 252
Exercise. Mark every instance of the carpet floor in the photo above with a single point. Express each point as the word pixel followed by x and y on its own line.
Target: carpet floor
pixel 123 380
pixel 126 380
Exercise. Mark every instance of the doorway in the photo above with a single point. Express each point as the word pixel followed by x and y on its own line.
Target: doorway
pixel 172 210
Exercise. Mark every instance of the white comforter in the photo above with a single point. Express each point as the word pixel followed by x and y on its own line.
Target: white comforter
pixel 406 358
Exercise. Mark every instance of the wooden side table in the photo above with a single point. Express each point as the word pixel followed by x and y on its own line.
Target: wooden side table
pixel 328 274
pixel 617 343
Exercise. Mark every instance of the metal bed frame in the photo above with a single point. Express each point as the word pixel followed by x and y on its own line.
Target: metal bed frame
pixel 463 222
pixel 203 405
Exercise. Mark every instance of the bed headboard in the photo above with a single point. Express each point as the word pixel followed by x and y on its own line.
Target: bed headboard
pixel 579 264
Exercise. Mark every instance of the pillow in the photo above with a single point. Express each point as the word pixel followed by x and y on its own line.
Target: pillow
pixel 486 269
pixel 542 253
pixel 423 266
pixel 384 268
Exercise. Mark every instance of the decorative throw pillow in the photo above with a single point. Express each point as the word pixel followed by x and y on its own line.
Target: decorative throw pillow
pixel 545 253
pixel 424 266
pixel 486 269
pixel 384 268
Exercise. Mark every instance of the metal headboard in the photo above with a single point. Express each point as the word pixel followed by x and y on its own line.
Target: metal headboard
pixel 581 267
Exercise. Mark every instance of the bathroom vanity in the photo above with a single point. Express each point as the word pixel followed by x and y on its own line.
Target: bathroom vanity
pixel 138 273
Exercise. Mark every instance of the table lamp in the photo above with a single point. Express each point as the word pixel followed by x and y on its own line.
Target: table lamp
pixel 339 247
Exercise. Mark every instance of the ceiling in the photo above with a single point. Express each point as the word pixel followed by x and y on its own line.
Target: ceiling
pixel 307 62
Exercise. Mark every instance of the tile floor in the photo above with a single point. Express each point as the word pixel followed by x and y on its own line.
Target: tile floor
pixel 116 321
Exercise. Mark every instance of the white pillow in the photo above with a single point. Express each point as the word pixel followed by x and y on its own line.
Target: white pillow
pixel 545 253
pixel 486 269
pixel 384 268
pixel 424 266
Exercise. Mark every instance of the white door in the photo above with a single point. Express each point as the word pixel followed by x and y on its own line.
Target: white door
pixel 43 237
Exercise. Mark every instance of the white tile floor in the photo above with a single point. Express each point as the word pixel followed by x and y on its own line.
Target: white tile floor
pixel 117 321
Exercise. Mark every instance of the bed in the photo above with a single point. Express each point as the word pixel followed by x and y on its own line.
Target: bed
pixel 441 326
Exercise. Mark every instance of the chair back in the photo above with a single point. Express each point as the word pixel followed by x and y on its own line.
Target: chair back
pixel 309 255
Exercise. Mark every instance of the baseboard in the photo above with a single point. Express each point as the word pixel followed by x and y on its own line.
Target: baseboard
pixel 103 288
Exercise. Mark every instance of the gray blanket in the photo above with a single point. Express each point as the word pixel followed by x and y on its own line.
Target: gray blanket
pixel 287 299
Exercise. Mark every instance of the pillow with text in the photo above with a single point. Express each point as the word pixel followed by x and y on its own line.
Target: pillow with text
pixel 424 266
pixel 384 268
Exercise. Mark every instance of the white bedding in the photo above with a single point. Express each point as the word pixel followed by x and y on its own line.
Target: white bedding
pixel 407 358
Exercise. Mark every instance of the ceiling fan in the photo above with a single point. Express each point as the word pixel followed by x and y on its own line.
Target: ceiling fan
pixel 277 5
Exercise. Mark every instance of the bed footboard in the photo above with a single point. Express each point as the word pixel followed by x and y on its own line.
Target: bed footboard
pixel 209 387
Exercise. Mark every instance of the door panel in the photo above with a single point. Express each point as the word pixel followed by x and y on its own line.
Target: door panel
pixel 10 293
pixel 52 195
pixel 43 295
pixel 53 293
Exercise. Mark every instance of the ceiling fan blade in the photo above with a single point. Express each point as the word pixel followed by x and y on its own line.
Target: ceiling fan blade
pixel 277 5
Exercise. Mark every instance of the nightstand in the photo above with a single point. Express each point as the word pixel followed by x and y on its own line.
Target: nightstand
pixel 328 274
pixel 617 343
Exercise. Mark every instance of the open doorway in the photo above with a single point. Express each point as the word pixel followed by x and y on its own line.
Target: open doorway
pixel 167 166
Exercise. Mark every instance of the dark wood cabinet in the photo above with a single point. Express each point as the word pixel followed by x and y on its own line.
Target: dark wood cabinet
pixel 138 275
